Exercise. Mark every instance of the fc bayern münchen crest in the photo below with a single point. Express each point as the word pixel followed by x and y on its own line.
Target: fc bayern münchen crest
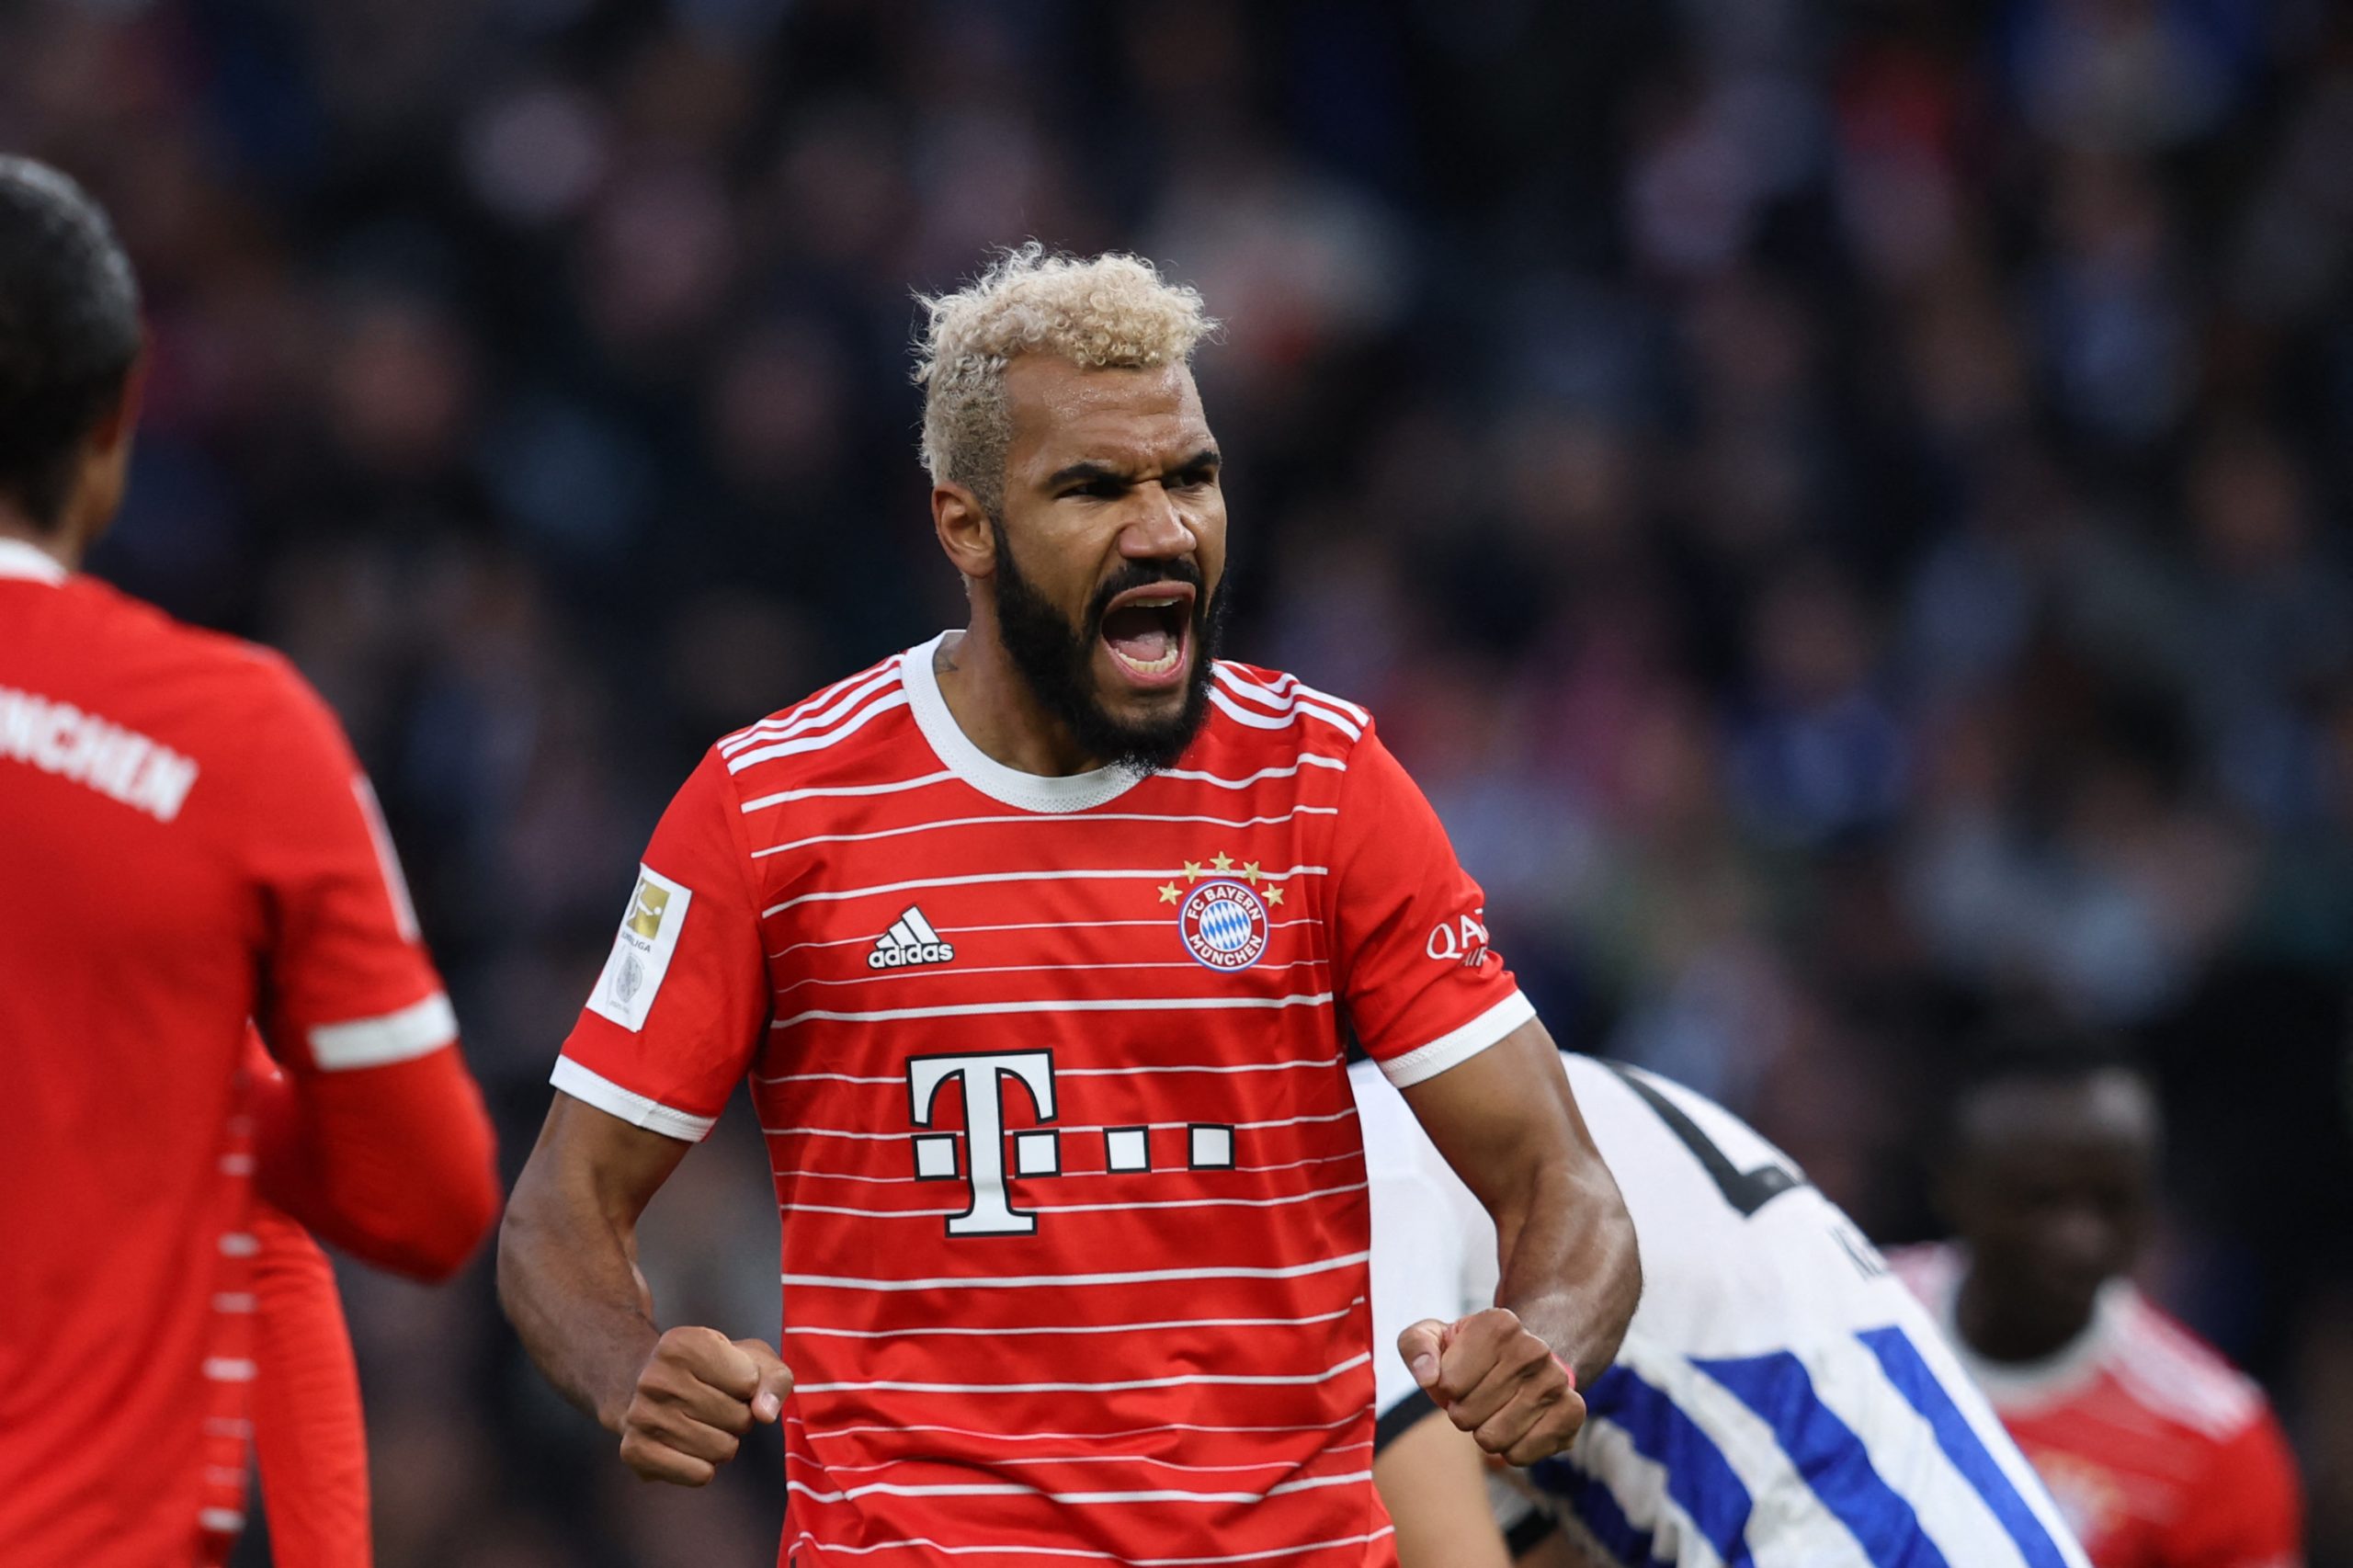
pixel 1223 925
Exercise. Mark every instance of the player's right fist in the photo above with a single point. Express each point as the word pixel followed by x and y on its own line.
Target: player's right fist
pixel 696 1397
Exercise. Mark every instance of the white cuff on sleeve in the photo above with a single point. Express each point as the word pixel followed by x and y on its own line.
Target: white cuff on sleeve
pixel 593 1088
pixel 415 1030
pixel 1458 1046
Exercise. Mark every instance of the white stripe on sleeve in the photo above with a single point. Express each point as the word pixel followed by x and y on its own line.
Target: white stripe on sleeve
pixel 1457 1046
pixel 418 1029
pixel 593 1088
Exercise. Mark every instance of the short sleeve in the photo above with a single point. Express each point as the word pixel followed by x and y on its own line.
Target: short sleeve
pixel 2248 1510
pixel 677 1010
pixel 348 983
pixel 1422 987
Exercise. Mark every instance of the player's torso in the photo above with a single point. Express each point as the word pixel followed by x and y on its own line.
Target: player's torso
pixel 1071 1188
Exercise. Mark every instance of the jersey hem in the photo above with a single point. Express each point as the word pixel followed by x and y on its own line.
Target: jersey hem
pixel 1458 1045
pixel 593 1088
pixel 418 1029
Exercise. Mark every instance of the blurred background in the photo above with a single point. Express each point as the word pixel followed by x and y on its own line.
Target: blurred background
pixel 1841 506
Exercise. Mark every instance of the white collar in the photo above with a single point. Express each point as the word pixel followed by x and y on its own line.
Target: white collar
pixel 2020 1386
pixel 1010 786
pixel 22 558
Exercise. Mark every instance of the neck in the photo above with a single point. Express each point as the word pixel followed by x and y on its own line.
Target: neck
pixel 59 545
pixel 995 708
pixel 2006 1335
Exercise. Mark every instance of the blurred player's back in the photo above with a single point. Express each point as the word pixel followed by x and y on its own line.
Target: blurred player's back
pixel 156 783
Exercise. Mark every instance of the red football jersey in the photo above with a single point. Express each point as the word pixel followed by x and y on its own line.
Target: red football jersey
pixel 189 846
pixel 1051 1071
pixel 2158 1451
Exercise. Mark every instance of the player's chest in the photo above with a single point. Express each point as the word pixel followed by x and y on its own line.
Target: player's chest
pixel 1237 900
pixel 2116 1484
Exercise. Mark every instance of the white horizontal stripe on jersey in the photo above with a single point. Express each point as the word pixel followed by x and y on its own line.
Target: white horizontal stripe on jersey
pixel 1034 820
pixel 418 1029
pixel 805 718
pixel 811 703
pixel 221 1475
pixel 220 1521
pixel 1011 1459
pixel 1150 874
pixel 1072 1127
pixel 236 1165
pixel 229 1369
pixel 1287 1065
pixel 1159 924
pixel 893 1430
pixel 960 1332
pixel 592 1087
pixel 800 1208
pixel 1015 1489
pixel 943 973
pixel 1285 693
pixel 1066 1005
pixel 1031 1282
pixel 235 1302
pixel 1258 720
pixel 1182 1379
pixel 837 791
pixel 831 738
pixel 239 1243
pixel 1307 760
pixel 925 1543
pixel 1458 1045
pixel 1066 1170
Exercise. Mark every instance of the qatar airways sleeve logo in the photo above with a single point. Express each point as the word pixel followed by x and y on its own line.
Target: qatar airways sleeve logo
pixel 993 1084
pixel 1461 941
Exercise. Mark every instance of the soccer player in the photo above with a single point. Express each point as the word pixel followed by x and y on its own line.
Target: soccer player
pixel 2160 1452
pixel 1779 1399
pixel 1038 942
pixel 189 846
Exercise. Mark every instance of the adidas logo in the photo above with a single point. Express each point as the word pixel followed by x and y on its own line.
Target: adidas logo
pixel 908 942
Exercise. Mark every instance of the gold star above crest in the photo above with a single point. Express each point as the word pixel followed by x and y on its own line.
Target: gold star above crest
pixel 1274 895
pixel 1171 893
pixel 1222 861
pixel 1192 870
pixel 1250 873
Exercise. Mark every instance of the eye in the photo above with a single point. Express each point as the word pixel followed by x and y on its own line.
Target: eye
pixel 1097 490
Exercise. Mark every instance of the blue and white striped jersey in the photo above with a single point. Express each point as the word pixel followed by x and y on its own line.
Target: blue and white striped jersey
pixel 1781 1399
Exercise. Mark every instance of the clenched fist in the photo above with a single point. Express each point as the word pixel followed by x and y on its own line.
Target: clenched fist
pixel 696 1395
pixel 1497 1381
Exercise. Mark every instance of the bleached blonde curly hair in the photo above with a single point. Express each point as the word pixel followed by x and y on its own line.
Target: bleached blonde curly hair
pixel 1104 312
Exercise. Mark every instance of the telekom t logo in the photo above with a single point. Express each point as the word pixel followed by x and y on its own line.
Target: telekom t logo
pixel 981 1077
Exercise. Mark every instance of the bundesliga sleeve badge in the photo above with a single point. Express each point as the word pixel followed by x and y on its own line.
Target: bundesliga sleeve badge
pixel 1222 919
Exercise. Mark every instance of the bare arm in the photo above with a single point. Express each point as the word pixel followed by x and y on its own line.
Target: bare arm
pixel 1433 1481
pixel 568 1280
pixel 1508 1123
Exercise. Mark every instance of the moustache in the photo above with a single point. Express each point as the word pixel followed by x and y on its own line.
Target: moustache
pixel 1146 575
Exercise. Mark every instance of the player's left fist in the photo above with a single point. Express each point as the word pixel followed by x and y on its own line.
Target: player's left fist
pixel 1497 1381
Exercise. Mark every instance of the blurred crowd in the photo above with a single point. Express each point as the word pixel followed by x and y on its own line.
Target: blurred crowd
pixel 1841 506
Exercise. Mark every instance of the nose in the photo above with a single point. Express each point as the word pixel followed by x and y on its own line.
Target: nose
pixel 1156 529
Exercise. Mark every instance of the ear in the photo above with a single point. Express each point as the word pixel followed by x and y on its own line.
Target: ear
pixel 962 525
pixel 112 432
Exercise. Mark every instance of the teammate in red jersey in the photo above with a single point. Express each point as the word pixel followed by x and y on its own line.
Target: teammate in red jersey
pixel 2159 1452
pixel 1038 943
pixel 190 845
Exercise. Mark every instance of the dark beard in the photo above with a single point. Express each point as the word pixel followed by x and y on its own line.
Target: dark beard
pixel 1057 660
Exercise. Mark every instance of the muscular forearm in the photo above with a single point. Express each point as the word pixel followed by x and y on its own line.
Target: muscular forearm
pixel 569 1283
pixel 1569 1267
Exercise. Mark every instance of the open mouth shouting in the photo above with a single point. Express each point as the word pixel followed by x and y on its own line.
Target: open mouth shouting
pixel 1148 631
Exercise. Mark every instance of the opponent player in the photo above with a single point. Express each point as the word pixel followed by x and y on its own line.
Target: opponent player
pixel 1779 1399
pixel 1038 941
pixel 2159 1452
pixel 190 844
